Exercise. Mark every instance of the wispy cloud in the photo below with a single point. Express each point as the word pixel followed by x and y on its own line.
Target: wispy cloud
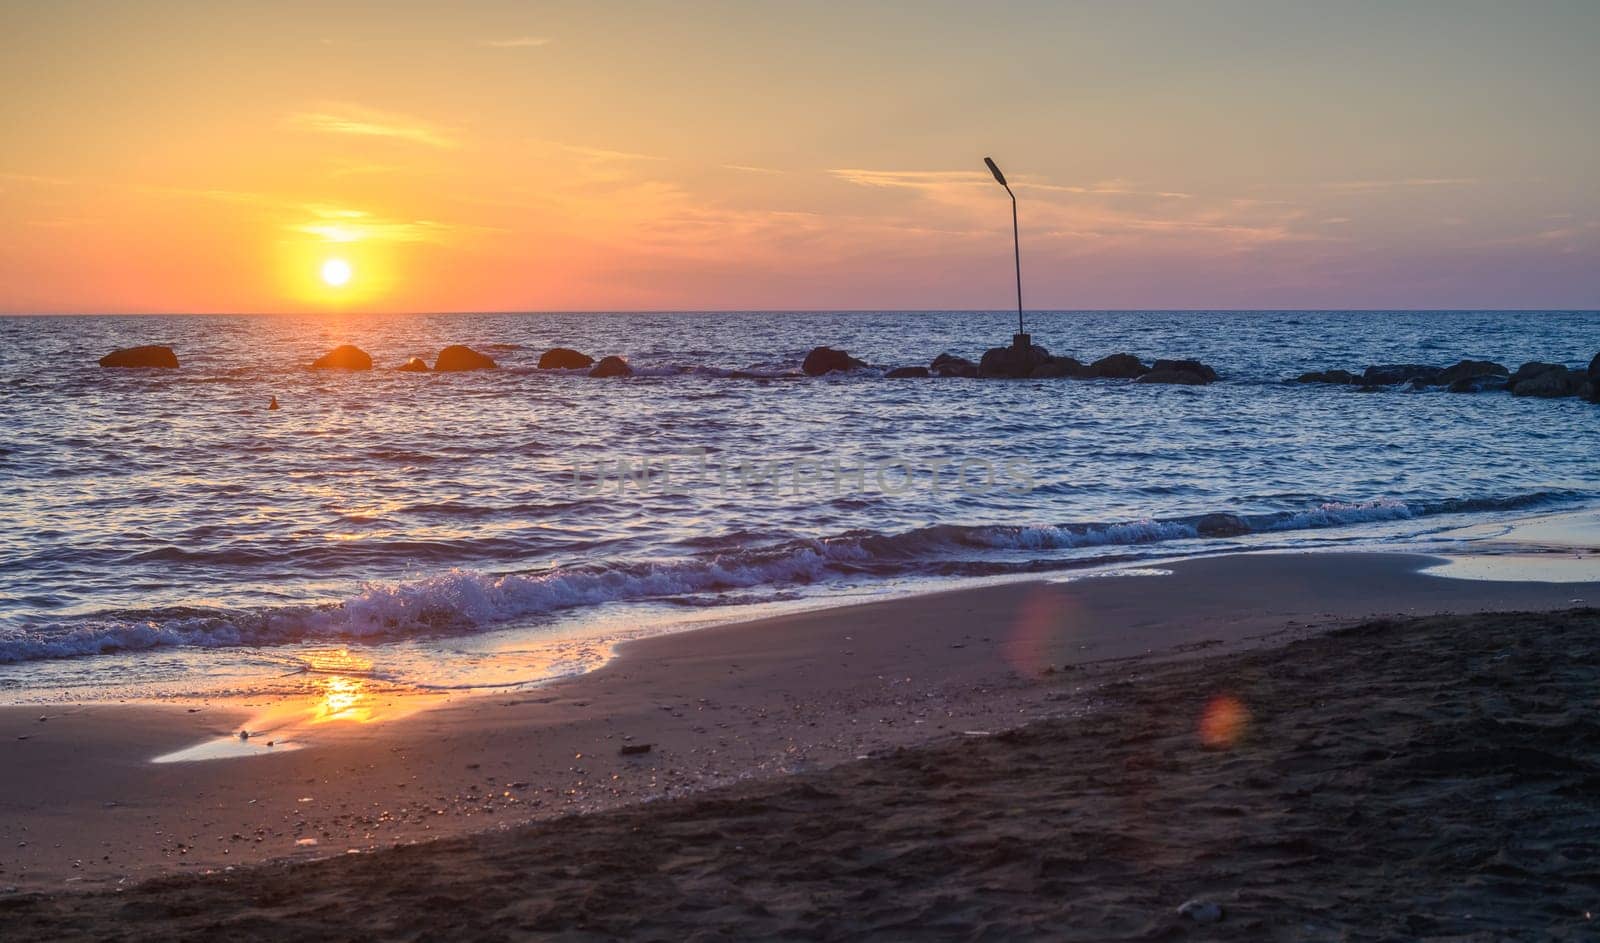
pixel 366 122
pixel 516 42
pixel 337 224
pixel 1404 182
pixel 600 153
pixel 747 169
pixel 909 179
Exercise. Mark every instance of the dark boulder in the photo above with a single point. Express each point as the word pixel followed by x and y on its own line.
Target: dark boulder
pixel 946 365
pixel 1057 367
pixel 1391 373
pixel 564 358
pixel 611 367
pixel 414 365
pixel 1117 367
pixel 906 373
pixel 1594 368
pixel 823 360
pixel 1590 390
pixel 1327 376
pixel 1186 366
pixel 151 356
pixel 1221 525
pixel 459 357
pixel 343 357
pixel 1011 363
pixel 1544 380
pixel 1471 370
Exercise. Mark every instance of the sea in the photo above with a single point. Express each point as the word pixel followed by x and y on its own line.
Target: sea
pixel 165 534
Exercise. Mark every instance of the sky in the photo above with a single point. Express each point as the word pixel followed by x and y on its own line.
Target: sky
pixel 472 156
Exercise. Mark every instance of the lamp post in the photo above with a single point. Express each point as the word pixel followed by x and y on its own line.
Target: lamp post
pixel 1020 341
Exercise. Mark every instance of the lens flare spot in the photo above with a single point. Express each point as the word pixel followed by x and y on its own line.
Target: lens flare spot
pixel 1223 722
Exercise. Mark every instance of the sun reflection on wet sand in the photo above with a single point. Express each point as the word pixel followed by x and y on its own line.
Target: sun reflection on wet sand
pixel 339 691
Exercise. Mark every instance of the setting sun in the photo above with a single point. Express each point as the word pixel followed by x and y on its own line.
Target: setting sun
pixel 336 273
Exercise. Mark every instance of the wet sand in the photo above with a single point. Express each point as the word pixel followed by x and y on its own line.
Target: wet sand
pixel 82 808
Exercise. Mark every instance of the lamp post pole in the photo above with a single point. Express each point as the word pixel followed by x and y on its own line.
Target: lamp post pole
pixel 1022 342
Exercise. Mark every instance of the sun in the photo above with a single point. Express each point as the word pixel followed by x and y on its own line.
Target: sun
pixel 336 273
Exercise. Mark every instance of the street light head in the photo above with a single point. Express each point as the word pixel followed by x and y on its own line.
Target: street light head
pixel 996 171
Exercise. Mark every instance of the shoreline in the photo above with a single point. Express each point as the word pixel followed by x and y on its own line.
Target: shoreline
pixel 790 693
pixel 1426 778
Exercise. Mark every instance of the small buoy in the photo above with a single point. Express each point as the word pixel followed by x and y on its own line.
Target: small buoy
pixel 273 404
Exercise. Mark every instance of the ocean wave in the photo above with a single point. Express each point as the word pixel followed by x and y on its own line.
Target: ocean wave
pixel 462 601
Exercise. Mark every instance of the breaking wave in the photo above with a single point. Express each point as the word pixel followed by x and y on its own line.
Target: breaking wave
pixel 463 601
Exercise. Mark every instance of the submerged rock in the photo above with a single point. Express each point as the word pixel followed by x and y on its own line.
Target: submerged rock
pixel 343 357
pixel 1221 525
pixel 1327 376
pixel 1191 372
pixel 1471 370
pixel 947 365
pixel 458 357
pixel 1544 380
pixel 1117 367
pixel 1479 384
pixel 612 367
pixel 905 373
pixel 149 356
pixel 1172 375
pixel 823 360
pixel 564 358
pixel 1011 363
pixel 414 365
pixel 1391 373
pixel 1057 367
pixel 1201 911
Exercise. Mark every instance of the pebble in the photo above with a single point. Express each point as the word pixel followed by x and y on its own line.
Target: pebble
pixel 631 749
pixel 1201 911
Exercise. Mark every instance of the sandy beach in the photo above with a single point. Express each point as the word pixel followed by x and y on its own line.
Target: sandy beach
pixel 854 708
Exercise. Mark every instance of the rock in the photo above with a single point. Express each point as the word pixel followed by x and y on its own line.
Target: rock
pixel 1201 911
pixel 1057 367
pixel 1590 390
pixel 1391 373
pixel 612 367
pixel 823 360
pixel 414 365
pixel 1370 388
pixel 1470 370
pixel 634 749
pixel 1189 366
pixel 946 365
pixel 564 358
pixel 1594 368
pixel 1221 525
pixel 906 373
pixel 150 356
pixel 458 357
pixel 1174 376
pixel 1545 380
pixel 1327 376
pixel 1011 363
pixel 1117 367
pixel 343 357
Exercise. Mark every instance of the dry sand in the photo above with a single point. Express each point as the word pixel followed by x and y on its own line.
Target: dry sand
pixel 1383 775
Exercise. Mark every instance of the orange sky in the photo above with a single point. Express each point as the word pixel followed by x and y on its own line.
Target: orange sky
pixel 532 156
